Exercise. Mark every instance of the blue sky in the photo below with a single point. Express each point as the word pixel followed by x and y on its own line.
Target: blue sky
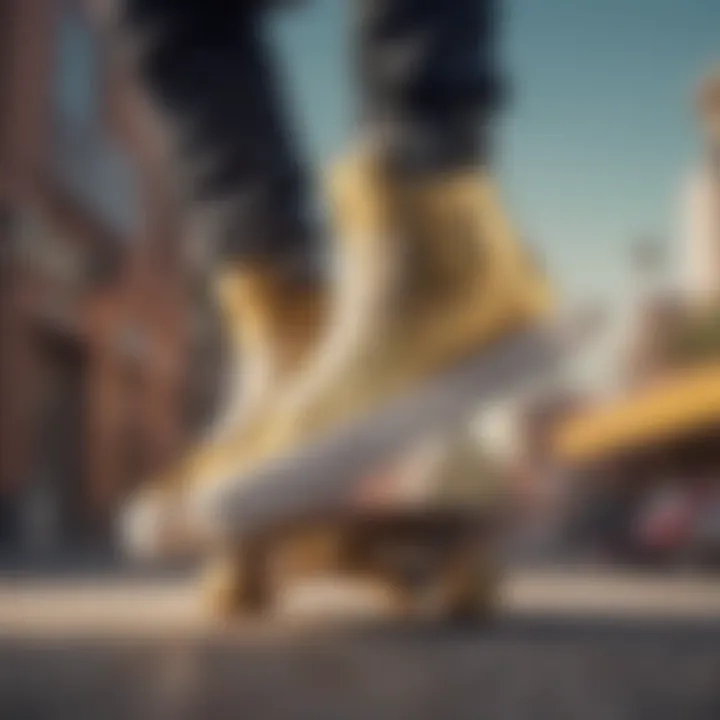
pixel 597 137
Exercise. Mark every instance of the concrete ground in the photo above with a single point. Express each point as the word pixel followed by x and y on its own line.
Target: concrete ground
pixel 567 645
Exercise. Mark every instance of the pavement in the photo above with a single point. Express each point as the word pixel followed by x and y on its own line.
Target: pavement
pixel 570 644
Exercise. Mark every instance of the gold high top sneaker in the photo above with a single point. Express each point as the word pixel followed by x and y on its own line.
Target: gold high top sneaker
pixel 436 307
pixel 270 322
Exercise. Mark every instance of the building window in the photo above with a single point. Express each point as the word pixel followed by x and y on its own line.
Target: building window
pixel 76 82
pixel 87 161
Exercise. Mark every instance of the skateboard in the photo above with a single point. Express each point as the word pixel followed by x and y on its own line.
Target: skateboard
pixel 423 534
pixel 318 477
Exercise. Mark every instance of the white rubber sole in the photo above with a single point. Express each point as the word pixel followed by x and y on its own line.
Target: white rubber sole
pixel 322 473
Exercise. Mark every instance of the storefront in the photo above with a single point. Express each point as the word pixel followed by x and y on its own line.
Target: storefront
pixel 645 470
pixel 93 336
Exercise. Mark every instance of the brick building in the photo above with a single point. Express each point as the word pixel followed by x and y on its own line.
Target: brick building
pixel 94 301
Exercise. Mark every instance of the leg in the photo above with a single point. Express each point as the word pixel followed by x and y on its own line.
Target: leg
pixel 437 308
pixel 206 66
pixel 429 80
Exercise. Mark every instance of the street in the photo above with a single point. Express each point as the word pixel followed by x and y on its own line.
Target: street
pixel 567 645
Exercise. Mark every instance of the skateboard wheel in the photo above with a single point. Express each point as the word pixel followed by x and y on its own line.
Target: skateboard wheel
pixel 471 586
pixel 237 584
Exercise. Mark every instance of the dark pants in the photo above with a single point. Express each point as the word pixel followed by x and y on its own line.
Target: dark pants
pixel 426 75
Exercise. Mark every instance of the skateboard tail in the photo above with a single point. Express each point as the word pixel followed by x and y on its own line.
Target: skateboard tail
pixel 322 473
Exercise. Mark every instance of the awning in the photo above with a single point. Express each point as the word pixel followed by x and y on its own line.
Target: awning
pixel 678 405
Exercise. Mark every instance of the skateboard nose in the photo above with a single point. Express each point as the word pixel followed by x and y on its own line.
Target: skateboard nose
pixel 152 526
pixel 142 526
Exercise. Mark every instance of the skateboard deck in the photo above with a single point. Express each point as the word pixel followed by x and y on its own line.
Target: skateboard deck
pixel 321 474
